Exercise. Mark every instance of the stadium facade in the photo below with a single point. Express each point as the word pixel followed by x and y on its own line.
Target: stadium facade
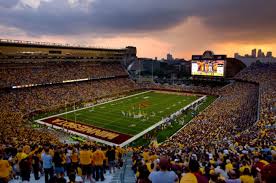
pixel 15 49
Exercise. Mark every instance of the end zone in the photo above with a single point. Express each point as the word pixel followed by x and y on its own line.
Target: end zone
pixel 88 130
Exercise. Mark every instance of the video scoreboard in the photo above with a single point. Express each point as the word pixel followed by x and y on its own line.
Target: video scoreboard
pixel 208 64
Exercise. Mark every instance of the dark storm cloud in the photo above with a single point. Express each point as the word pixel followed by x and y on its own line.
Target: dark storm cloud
pixel 101 16
pixel 229 18
pixel 242 19
pixel 8 3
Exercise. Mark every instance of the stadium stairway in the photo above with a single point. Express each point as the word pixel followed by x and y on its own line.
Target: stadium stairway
pixel 125 174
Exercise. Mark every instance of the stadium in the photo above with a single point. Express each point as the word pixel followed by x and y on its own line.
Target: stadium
pixel 65 101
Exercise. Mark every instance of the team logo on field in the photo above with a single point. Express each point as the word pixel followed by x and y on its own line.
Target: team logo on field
pixel 143 104
pixel 89 130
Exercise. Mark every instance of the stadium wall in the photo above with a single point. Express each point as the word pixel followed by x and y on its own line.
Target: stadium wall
pixel 36 50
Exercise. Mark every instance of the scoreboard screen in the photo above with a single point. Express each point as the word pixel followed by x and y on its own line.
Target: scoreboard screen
pixel 208 67
pixel 208 64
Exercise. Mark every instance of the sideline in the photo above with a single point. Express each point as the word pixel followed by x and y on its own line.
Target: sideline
pixel 191 120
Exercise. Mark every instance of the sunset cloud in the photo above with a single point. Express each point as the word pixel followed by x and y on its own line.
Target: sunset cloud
pixel 181 27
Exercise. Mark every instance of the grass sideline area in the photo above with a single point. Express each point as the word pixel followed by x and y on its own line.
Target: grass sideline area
pixel 162 135
pixel 132 115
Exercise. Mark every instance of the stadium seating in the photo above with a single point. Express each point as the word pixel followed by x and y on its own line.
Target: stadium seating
pixel 47 98
pixel 228 137
pixel 233 139
pixel 56 72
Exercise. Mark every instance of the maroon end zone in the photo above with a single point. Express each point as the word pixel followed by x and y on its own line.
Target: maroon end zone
pixel 89 130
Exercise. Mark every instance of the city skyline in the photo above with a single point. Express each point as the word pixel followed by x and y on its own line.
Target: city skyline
pixel 256 53
pixel 180 27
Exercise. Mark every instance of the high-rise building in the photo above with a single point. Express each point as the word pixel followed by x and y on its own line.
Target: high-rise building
pixel 260 53
pixel 236 55
pixel 254 53
pixel 269 54
pixel 169 57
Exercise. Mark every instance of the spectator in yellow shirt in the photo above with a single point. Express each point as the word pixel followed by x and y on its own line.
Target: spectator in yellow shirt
pixel 98 158
pixel 246 177
pixel 85 162
pixel 150 166
pixel 153 157
pixel 146 155
pixel 228 166
pixel 4 170
pixel 19 156
pixel 244 166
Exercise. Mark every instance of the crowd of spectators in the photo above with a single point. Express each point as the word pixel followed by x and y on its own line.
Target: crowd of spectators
pixel 233 140
pixel 183 88
pixel 58 163
pixel 265 75
pixel 48 98
pixel 56 72
pixel 228 142
pixel 14 132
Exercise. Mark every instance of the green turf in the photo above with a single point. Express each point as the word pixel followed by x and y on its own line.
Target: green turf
pixel 110 116
pixel 163 134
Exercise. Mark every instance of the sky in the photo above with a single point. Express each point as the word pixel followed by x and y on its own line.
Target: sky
pixel 155 27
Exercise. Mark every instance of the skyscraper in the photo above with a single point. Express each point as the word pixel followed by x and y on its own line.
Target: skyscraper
pixel 269 54
pixel 169 57
pixel 254 53
pixel 260 53
pixel 236 55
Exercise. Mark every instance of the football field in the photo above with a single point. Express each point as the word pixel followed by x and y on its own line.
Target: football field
pixel 127 116
pixel 132 115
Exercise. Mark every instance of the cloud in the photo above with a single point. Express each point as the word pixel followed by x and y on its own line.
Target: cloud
pixel 243 20
pixel 236 18
pixel 177 25
pixel 98 16
pixel 10 32
pixel 8 3
pixel 30 3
